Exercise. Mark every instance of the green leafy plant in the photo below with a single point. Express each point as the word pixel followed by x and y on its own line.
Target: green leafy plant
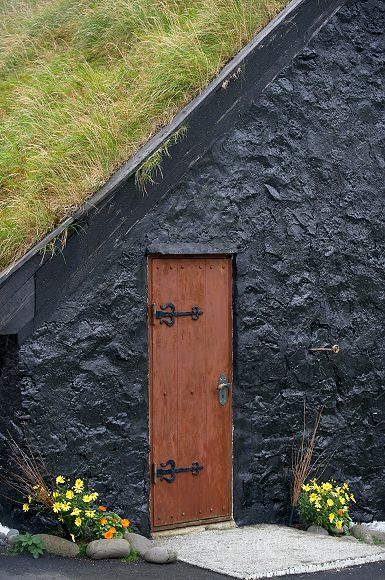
pixel 132 556
pixel 110 525
pixel 75 507
pixel 326 505
pixel 70 502
pixel 28 544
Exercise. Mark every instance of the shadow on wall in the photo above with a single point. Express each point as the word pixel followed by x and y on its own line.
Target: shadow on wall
pixel 10 401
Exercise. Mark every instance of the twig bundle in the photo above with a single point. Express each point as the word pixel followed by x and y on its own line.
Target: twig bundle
pixel 27 477
pixel 302 457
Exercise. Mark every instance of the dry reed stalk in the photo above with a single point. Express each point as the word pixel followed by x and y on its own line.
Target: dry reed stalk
pixel 27 477
pixel 302 465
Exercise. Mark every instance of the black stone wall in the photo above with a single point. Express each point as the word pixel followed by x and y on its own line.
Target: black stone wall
pixel 298 187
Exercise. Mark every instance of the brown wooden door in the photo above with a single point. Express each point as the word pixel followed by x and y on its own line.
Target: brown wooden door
pixel 188 423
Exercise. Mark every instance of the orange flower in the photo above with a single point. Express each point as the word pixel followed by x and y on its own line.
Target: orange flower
pixel 112 530
pixel 102 508
pixel 103 521
pixel 114 520
pixel 108 535
pixel 125 523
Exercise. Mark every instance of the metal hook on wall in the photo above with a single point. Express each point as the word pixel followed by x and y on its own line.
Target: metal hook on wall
pixel 335 349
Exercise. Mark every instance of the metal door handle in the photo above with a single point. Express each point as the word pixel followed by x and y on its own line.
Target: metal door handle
pixel 335 348
pixel 223 389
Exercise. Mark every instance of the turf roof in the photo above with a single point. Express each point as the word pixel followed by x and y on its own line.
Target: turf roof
pixel 84 83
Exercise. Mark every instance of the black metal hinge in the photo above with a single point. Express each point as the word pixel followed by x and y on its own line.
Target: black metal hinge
pixel 169 474
pixel 161 314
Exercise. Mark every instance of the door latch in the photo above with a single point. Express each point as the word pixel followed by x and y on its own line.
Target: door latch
pixel 223 389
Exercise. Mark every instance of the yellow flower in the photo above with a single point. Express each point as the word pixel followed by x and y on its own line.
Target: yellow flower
pixel 65 506
pixel 331 517
pixel 70 494
pixel 36 487
pixel 25 507
pixel 87 498
pixel 330 502
pixel 339 524
pixel 93 495
pixel 72 537
pixel 313 497
pixel 55 494
pixel 306 487
pixel 56 507
pixel 327 486
pixel 79 485
pixel 317 505
pixel 29 498
pixel 60 479
pixel 75 512
pixel 90 513
pixel 78 522
pixel 342 500
pixel 353 498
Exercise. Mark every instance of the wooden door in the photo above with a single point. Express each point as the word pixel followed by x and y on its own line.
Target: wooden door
pixel 190 355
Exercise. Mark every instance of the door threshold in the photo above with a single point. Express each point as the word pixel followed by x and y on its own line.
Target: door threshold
pixel 225 525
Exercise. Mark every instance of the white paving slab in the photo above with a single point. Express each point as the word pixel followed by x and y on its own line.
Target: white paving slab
pixel 265 551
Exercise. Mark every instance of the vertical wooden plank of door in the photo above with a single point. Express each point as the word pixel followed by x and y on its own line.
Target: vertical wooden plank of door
pixel 191 390
pixel 218 350
pixel 164 396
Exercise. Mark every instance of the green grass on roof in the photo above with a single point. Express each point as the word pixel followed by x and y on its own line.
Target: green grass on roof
pixel 84 83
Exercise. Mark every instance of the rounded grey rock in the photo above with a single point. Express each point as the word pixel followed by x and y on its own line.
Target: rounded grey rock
pixel 139 543
pixel 11 536
pixel 377 535
pixel 159 555
pixel 114 548
pixel 2 536
pixel 58 546
pixel 361 533
pixel 318 530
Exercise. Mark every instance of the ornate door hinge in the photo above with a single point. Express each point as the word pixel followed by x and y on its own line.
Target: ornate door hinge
pixel 169 474
pixel 161 314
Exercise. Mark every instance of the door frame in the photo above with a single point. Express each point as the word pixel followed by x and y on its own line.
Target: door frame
pixel 150 258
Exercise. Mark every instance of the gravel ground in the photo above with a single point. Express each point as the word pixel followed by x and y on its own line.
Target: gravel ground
pixel 265 551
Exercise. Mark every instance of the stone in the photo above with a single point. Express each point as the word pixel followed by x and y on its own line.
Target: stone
pixel 159 555
pixel 361 533
pixel 114 548
pixel 377 535
pixel 318 530
pixel 139 543
pixel 339 532
pixel 58 546
pixel 2 536
pixel 11 536
pixel 349 538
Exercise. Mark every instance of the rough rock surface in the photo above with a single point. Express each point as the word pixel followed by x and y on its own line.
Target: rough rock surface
pixel 114 548
pixel 298 187
pixel 59 546
pixel 139 543
pixel 160 555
